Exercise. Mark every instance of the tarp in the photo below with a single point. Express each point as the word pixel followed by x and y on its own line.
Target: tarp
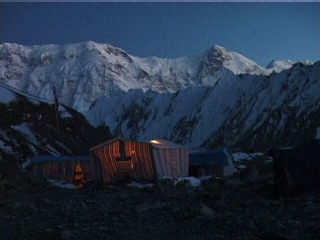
pixel 218 162
pixel 46 158
pixel 209 158
pixel 170 159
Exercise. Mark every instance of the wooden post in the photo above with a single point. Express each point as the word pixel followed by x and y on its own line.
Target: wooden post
pixel 56 108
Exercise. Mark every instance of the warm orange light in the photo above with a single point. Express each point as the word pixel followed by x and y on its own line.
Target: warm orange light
pixel 78 177
pixel 155 141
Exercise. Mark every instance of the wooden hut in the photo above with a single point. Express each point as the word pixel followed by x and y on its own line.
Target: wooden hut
pixel 125 160
pixel 69 169
pixel 217 162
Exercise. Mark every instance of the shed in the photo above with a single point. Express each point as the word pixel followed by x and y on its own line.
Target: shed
pixel 217 162
pixel 124 160
pixel 73 169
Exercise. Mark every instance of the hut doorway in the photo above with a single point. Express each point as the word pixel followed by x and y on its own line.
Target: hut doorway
pixel 78 178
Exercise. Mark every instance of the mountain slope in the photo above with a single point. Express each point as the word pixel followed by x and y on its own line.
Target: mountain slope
pixel 29 126
pixel 218 97
pixel 255 111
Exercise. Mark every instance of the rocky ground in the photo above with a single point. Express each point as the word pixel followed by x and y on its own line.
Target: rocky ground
pixel 241 207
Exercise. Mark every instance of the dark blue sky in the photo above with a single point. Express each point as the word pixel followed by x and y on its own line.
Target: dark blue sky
pixel 259 31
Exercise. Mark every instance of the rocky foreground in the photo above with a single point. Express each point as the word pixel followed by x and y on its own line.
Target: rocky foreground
pixel 241 207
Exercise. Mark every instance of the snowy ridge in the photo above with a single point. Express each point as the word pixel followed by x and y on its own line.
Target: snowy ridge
pixel 218 97
pixel 83 72
pixel 279 65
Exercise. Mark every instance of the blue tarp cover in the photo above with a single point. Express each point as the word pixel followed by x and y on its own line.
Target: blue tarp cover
pixel 209 158
pixel 47 158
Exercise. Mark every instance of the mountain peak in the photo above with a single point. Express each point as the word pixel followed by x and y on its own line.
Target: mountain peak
pixel 217 51
pixel 218 48
pixel 279 65
pixel 217 57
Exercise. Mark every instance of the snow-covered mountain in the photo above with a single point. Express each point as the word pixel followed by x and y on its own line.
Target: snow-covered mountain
pixel 84 72
pixel 218 97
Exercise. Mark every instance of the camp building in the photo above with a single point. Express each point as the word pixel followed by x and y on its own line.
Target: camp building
pixel 68 169
pixel 124 160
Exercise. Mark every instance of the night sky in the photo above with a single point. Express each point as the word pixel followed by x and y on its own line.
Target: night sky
pixel 259 31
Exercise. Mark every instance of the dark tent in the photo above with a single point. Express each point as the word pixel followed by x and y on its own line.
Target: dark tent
pixel 217 162
pixel 69 169
pixel 297 170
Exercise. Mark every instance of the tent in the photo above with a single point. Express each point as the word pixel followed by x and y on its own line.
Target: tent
pixel 297 170
pixel 125 160
pixel 69 169
pixel 170 159
pixel 217 162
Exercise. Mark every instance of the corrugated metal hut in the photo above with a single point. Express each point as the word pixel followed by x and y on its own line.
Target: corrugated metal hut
pixel 217 162
pixel 125 160
pixel 69 169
